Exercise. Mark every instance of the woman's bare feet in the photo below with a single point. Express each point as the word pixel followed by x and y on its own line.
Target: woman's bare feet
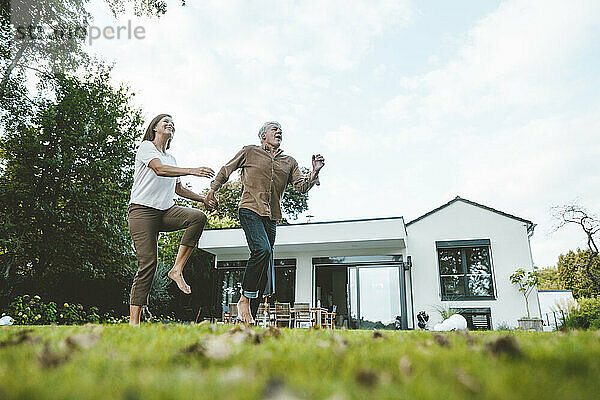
pixel 177 276
pixel 243 306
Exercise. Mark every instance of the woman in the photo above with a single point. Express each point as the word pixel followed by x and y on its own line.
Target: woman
pixel 152 210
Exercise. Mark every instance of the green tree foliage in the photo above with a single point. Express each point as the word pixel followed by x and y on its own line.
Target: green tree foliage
pixel 294 203
pixel 48 37
pixel 549 279
pixel 573 275
pixel 65 185
pixel 586 315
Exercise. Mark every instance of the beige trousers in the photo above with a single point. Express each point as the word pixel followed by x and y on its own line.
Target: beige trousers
pixel 145 223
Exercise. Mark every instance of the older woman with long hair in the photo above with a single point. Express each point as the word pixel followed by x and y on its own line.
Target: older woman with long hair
pixel 153 210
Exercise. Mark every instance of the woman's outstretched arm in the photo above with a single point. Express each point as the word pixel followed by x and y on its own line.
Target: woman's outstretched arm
pixel 161 169
pixel 182 191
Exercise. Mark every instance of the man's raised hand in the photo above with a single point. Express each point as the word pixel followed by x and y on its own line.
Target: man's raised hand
pixel 318 162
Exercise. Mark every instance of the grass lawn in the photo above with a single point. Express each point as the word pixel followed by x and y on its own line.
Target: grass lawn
pixel 202 361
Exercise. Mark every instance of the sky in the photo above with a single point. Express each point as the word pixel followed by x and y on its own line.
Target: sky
pixel 411 102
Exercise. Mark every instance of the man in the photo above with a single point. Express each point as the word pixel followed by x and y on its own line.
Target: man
pixel 266 172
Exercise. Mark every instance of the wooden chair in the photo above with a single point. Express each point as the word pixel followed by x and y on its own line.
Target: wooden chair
pixel 283 314
pixel 263 315
pixel 302 314
pixel 329 318
pixel 233 313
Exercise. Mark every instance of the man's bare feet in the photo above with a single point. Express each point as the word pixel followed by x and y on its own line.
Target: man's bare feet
pixel 177 276
pixel 243 306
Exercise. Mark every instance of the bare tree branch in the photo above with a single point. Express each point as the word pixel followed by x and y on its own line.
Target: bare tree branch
pixel 589 223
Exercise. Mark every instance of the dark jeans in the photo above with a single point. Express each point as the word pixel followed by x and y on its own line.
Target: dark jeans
pixel 259 276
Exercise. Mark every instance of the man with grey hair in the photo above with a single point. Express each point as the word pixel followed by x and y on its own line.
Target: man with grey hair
pixel 266 172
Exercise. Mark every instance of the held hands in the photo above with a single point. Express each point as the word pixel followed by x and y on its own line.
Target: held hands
pixel 203 172
pixel 210 201
pixel 318 162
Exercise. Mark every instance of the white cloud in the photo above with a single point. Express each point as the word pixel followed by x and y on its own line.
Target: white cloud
pixel 512 60
pixel 488 123
pixel 505 114
pixel 348 139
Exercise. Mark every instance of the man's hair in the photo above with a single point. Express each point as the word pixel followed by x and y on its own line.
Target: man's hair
pixel 263 129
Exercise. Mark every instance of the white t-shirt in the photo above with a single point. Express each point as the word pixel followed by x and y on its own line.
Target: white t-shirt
pixel 148 188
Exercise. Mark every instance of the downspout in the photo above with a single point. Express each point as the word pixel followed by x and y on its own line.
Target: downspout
pixel 403 308
pixel 530 231
pixel 412 300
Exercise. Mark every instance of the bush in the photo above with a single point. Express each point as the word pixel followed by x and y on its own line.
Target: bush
pixel 27 310
pixel 159 301
pixel 586 315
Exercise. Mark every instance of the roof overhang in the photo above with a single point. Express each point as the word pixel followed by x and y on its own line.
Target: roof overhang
pixel 384 233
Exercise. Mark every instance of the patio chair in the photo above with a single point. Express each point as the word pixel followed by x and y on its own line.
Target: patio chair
pixel 329 318
pixel 302 314
pixel 233 312
pixel 263 315
pixel 283 314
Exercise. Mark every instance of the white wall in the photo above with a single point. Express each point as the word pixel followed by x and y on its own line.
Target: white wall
pixel 509 251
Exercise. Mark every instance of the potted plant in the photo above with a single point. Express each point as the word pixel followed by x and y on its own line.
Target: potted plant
pixel 527 281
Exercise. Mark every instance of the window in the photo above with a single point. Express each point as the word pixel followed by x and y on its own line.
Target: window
pixel 465 269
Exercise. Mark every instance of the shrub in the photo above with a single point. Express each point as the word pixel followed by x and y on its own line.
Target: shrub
pixel 27 310
pixel 504 326
pixel 586 315
pixel 160 300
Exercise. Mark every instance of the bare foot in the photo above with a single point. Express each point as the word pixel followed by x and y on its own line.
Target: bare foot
pixel 178 278
pixel 243 306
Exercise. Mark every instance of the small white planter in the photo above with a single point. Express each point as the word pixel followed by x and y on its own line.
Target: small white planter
pixel 531 324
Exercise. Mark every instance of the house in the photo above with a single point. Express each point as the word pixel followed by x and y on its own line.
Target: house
pixel 458 256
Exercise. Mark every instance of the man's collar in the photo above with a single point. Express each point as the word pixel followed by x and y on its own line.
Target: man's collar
pixel 265 147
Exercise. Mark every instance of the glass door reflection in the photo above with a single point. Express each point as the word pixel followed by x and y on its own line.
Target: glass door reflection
pixel 379 293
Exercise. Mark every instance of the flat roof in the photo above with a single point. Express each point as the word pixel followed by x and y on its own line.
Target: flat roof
pixel 364 234
pixel 316 223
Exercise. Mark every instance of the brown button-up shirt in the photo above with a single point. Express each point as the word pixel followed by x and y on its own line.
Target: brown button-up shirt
pixel 264 179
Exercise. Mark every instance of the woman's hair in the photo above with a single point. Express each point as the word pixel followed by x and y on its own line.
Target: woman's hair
pixel 150 133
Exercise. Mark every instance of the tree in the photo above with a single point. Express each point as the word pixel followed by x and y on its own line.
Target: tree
pixel 549 279
pixel 65 185
pixel 47 37
pixel 590 224
pixel 526 281
pixel 571 271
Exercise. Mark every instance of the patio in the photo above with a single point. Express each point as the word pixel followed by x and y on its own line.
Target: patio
pixel 301 315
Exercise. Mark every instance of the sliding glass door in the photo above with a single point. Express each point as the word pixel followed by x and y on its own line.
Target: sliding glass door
pixel 374 296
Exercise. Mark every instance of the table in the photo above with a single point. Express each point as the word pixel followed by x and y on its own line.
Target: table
pixel 318 313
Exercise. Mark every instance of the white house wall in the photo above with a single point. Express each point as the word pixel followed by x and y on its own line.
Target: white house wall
pixel 303 242
pixel 462 221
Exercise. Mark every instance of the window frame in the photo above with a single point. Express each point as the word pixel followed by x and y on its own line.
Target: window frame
pixel 462 246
